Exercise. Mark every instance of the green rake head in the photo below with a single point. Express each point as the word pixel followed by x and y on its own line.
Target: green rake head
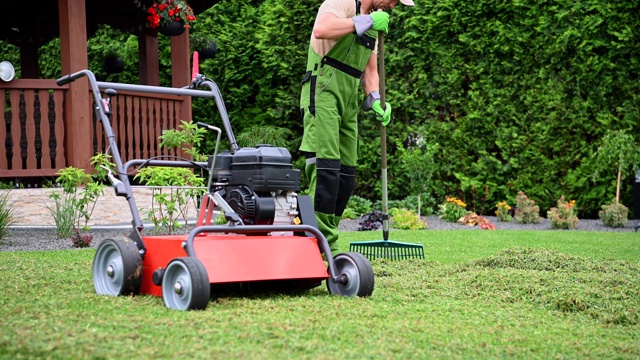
pixel 385 249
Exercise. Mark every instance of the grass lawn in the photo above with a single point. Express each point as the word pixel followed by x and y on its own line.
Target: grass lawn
pixel 478 294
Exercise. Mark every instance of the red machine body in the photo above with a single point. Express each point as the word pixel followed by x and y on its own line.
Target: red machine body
pixel 237 258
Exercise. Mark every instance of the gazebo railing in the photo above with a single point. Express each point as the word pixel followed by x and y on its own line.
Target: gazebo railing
pixel 33 134
pixel 138 119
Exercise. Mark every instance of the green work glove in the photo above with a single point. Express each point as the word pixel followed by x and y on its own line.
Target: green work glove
pixel 372 102
pixel 384 116
pixel 380 21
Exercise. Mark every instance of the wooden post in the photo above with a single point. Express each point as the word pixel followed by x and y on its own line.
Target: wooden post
pixel 149 65
pixel 181 69
pixel 77 110
pixel 29 60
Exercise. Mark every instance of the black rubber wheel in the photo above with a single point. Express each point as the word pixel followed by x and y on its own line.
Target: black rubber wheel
pixel 358 272
pixel 185 285
pixel 117 268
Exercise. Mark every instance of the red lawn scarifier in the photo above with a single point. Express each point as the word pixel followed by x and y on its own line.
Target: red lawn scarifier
pixel 271 235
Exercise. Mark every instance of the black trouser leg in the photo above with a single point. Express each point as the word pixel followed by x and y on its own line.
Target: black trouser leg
pixel 327 185
pixel 347 184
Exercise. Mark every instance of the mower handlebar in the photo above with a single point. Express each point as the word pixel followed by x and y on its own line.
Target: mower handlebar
pixel 71 77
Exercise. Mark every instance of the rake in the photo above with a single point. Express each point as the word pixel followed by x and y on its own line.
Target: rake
pixel 386 248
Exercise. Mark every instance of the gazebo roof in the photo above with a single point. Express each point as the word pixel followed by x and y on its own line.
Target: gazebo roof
pixel 37 21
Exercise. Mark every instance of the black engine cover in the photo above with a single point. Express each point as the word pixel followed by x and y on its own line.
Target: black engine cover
pixel 263 169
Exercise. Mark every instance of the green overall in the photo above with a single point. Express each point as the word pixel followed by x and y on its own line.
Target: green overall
pixel 329 105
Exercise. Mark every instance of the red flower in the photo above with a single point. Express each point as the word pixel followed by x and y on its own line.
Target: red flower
pixel 166 11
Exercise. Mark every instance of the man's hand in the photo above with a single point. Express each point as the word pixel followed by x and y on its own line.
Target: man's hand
pixel 384 116
pixel 372 102
pixel 380 21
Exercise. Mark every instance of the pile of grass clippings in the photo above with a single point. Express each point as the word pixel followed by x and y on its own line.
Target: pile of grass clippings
pixel 604 289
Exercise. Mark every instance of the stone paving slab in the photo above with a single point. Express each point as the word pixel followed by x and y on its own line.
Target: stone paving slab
pixel 30 207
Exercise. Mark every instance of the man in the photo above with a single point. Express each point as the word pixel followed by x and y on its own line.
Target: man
pixel 341 57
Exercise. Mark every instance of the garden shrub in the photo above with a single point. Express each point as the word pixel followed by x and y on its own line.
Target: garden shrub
pixel 6 214
pixel 614 214
pixel 349 213
pixel 503 211
pixel 406 220
pixel 371 221
pixel 473 219
pixel 527 212
pixel 359 205
pixel 79 240
pixel 411 203
pixel 564 216
pixel 452 209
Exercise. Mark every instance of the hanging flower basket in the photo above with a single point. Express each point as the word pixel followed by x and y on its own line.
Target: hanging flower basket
pixel 113 65
pixel 174 28
pixel 168 15
pixel 208 52
pixel 205 45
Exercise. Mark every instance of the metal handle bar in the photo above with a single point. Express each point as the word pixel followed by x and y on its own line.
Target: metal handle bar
pixel 213 93
pixel 71 77
pixel 113 147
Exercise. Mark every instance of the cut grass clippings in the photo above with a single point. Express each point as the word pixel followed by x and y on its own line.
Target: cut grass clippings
pixel 479 294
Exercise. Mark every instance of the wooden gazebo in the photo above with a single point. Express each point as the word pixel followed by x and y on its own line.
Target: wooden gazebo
pixel 48 127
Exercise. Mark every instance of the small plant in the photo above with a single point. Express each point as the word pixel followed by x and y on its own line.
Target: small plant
pixel 81 240
pixel 6 215
pixel 419 163
pixel 527 212
pixel 170 205
pixel 485 224
pixel 563 216
pixel 188 138
pixel 221 219
pixel 411 203
pixel 473 219
pixel 359 205
pixel 72 207
pixel 264 134
pixel 452 210
pixel 184 187
pixel 371 221
pixel 614 215
pixel 406 220
pixel 8 185
pixel 349 213
pixel 503 211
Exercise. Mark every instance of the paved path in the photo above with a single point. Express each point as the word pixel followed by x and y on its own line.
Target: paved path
pixel 30 207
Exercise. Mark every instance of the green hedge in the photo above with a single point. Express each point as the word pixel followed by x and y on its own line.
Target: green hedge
pixel 516 94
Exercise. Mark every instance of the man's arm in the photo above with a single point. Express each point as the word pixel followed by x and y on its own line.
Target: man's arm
pixel 329 26
pixel 370 77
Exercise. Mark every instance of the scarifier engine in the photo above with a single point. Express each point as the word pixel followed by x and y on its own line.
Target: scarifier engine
pixel 258 183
